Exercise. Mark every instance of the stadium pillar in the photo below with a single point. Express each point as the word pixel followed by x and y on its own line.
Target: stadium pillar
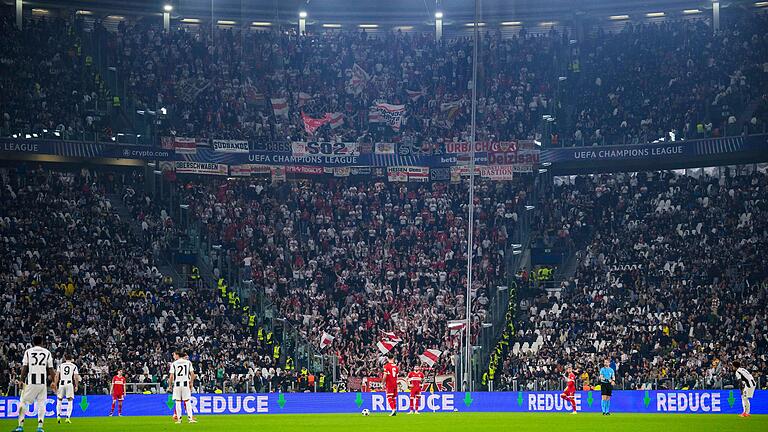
pixel 19 14
pixel 438 26
pixel 716 16
pixel 302 22
pixel 166 21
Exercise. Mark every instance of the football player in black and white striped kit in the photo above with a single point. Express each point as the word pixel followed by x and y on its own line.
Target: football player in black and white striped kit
pixel 747 384
pixel 182 380
pixel 36 373
pixel 67 379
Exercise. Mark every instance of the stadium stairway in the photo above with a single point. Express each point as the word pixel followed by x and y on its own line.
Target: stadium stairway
pixel 164 265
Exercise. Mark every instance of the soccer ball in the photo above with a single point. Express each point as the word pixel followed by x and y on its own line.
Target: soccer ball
pixel 366 413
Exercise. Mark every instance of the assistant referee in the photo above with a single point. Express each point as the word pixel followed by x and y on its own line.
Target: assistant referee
pixel 607 381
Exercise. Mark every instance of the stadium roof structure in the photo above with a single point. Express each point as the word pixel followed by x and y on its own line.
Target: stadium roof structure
pixel 390 12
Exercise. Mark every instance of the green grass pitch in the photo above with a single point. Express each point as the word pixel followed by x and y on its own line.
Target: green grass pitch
pixel 428 422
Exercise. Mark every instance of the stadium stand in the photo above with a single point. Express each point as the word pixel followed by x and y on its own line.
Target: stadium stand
pixel 670 284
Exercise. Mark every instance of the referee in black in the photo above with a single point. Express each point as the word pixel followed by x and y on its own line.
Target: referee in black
pixel 607 381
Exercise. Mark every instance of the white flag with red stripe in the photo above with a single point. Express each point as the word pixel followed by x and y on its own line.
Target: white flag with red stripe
pixel 326 340
pixel 457 326
pixel 385 345
pixel 430 356
pixel 391 336
pixel 304 98
pixel 415 95
pixel 337 119
pixel 280 106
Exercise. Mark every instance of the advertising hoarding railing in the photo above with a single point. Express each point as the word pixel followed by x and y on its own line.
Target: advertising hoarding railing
pixel 629 401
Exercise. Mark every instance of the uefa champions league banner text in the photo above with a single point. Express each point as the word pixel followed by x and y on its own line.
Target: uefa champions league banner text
pixel 692 402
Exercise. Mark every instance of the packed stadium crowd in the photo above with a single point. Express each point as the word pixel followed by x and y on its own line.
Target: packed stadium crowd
pixel 356 259
pixel 75 272
pixel 671 285
pixel 221 82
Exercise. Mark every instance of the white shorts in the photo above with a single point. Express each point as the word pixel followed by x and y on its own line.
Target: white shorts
pixel 182 393
pixel 34 393
pixel 66 391
pixel 748 392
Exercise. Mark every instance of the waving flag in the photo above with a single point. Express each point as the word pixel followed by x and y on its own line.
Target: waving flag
pixel 312 124
pixel 456 326
pixel 415 95
pixel 430 356
pixel 359 80
pixel 387 113
pixel 304 98
pixel 391 336
pixel 326 340
pixel 385 345
pixel 280 106
pixel 337 119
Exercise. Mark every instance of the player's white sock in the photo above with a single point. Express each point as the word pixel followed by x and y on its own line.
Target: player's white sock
pixel 70 407
pixel 745 404
pixel 188 407
pixel 178 410
pixel 40 414
pixel 22 413
pixel 58 407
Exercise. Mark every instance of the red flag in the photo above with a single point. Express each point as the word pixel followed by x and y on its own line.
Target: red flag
pixel 311 124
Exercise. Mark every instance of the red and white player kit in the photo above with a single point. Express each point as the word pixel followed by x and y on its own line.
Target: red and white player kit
pixel 415 378
pixel 389 378
pixel 569 394
pixel 118 392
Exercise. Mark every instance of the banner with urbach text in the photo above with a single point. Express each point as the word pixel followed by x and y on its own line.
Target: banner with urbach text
pixel 630 401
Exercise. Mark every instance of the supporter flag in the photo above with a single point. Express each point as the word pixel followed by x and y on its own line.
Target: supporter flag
pixel 391 336
pixel 385 345
pixel 252 95
pixel 415 95
pixel 326 340
pixel 312 124
pixel 304 98
pixel 390 114
pixel 430 356
pixel 374 116
pixel 280 106
pixel 184 145
pixel 337 119
pixel 358 81
pixel 456 326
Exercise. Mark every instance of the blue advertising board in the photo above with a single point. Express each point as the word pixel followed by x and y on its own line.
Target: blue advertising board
pixel 678 401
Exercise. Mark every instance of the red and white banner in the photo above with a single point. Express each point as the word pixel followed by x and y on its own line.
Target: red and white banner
pixel 390 114
pixel 186 167
pixel 304 169
pixel 498 172
pixel 280 107
pixel 385 345
pixel 246 170
pixel 384 148
pixel 337 119
pixel 325 340
pixel 491 146
pixel 430 356
pixel 230 146
pixel 312 124
pixel 456 326
pixel 408 174
pixel 184 145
